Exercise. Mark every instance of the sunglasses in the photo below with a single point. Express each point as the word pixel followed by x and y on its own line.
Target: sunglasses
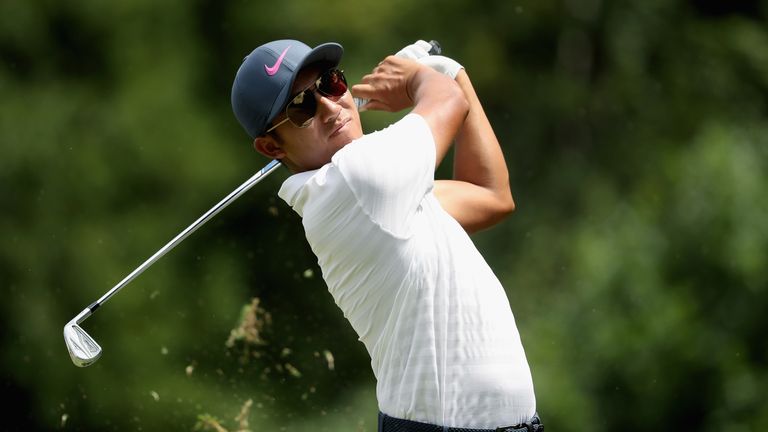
pixel 302 108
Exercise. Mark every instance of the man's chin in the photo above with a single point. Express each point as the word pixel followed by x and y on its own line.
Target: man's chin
pixel 342 140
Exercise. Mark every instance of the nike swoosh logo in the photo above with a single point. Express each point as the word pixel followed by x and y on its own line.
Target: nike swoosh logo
pixel 273 70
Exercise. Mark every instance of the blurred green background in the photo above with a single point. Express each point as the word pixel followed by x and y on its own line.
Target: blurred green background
pixel 636 135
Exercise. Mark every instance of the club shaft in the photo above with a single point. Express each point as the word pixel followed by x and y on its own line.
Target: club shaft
pixel 268 169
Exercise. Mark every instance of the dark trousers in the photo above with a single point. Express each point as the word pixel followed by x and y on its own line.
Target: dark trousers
pixel 393 424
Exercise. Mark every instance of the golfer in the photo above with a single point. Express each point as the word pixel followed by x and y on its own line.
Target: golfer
pixel 392 242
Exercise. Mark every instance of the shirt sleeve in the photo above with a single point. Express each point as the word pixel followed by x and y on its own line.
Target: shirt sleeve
pixel 391 171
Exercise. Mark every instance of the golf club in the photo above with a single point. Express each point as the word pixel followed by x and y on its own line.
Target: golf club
pixel 82 348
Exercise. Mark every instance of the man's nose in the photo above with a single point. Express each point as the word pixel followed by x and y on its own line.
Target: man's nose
pixel 328 109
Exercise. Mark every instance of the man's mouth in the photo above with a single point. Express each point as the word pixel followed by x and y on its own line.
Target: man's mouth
pixel 338 128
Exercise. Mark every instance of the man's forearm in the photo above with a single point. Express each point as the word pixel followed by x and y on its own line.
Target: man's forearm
pixel 478 158
pixel 443 105
pixel 479 196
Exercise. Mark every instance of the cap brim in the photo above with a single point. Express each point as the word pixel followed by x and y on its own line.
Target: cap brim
pixel 327 54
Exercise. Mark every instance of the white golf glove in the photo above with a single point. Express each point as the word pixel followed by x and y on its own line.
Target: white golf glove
pixel 419 51
pixel 415 50
pixel 444 65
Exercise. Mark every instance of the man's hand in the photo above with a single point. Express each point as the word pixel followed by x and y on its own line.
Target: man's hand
pixel 383 87
pixel 388 86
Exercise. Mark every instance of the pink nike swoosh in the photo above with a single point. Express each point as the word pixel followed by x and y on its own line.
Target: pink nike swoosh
pixel 273 70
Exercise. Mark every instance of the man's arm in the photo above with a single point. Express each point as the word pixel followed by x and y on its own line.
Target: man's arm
pixel 479 194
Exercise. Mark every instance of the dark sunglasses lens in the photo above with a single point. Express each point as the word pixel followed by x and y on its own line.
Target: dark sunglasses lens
pixel 333 83
pixel 302 108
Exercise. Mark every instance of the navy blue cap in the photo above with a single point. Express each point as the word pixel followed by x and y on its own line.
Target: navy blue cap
pixel 263 83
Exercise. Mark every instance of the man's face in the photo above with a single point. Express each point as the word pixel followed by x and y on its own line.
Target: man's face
pixel 335 124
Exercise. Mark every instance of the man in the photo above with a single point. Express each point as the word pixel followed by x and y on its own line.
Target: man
pixel 392 241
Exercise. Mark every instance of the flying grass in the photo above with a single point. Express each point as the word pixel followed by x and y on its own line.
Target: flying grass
pixel 249 333
pixel 207 422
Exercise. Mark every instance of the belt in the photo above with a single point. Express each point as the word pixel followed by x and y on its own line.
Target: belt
pixel 393 424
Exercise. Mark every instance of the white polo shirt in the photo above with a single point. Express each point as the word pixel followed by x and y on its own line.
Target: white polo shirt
pixel 435 319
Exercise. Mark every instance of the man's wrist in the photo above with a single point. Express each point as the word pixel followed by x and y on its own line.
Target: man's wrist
pixel 411 86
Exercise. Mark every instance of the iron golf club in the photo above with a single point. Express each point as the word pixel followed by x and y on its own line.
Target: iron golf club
pixel 83 350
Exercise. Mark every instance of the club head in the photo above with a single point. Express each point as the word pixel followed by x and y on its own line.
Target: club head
pixel 82 348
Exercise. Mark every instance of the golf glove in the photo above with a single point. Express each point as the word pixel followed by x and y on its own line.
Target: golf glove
pixel 419 51
pixel 415 50
pixel 444 65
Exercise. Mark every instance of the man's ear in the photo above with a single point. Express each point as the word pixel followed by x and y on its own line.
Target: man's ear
pixel 269 147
